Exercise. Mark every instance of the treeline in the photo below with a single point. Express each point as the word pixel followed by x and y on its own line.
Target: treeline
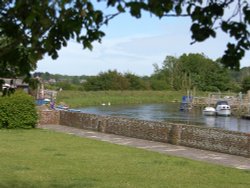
pixel 189 71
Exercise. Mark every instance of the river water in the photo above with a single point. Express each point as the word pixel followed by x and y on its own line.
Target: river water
pixel 170 112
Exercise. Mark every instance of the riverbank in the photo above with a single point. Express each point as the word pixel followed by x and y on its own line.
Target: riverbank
pixel 92 98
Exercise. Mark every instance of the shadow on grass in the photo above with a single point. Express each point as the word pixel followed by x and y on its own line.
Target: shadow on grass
pixel 83 182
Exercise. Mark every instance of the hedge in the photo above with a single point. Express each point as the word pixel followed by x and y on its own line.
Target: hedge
pixel 18 111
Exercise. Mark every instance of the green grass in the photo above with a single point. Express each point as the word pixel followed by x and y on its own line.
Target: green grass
pixel 80 99
pixel 42 158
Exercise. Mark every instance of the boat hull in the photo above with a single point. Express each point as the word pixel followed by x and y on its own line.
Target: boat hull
pixel 223 112
pixel 223 109
pixel 209 111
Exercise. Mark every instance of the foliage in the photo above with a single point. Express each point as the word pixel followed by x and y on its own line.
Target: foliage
pixel 31 29
pixel 170 73
pixel 206 17
pixel 246 84
pixel 186 72
pixel 238 77
pixel 244 72
pixel 176 73
pixel 33 82
pixel 65 85
pixel 43 27
pixel 110 80
pixel 60 78
pixel 235 86
pixel 1 84
pixel 15 59
pixel 158 84
pixel 17 111
pixel 136 82
pixel 211 76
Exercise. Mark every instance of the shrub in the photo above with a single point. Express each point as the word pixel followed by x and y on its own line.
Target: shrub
pixel 159 85
pixel 246 84
pixel 18 111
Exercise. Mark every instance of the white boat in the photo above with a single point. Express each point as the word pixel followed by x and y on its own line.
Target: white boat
pixel 209 111
pixel 73 110
pixel 222 108
pixel 61 107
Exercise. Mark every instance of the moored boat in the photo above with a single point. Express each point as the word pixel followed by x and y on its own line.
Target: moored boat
pixel 73 110
pixel 222 108
pixel 209 111
pixel 61 107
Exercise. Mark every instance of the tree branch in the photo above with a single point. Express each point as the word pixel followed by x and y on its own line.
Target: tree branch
pixel 110 17
pixel 174 15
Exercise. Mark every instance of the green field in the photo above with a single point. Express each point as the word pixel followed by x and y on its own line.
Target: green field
pixel 42 158
pixel 91 98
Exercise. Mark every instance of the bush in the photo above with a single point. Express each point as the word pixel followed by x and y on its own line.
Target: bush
pixel 18 111
pixel 246 84
pixel 159 85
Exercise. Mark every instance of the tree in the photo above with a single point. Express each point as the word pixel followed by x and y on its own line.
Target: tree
pixel 171 67
pixel 15 60
pixel 193 71
pixel 246 84
pixel 110 80
pixel 44 27
pixel 135 82
pixel 205 74
pixel 159 79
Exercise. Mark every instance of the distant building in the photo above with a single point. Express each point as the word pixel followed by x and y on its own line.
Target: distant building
pixel 83 81
pixel 52 81
pixel 16 83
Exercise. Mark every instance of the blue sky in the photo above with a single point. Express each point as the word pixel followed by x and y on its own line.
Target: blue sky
pixel 134 45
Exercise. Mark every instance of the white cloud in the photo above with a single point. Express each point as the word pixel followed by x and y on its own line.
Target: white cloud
pixel 134 52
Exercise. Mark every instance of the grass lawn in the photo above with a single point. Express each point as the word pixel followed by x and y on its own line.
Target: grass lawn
pixel 42 158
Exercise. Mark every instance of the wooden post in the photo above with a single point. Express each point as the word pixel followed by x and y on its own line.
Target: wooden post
pixel 248 99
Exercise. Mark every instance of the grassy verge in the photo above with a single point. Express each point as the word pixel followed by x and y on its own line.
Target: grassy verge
pixel 41 158
pixel 79 99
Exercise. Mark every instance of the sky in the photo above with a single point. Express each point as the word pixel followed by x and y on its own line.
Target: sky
pixel 134 45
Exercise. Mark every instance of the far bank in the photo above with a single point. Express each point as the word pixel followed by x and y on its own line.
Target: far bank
pixel 92 98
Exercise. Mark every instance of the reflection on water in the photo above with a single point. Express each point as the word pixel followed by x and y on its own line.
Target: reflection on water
pixel 170 112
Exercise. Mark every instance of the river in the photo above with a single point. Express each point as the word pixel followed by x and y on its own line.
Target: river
pixel 170 112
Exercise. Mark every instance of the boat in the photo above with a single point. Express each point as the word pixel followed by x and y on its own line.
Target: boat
pixel 73 110
pixel 209 111
pixel 61 107
pixel 186 103
pixel 66 108
pixel 222 108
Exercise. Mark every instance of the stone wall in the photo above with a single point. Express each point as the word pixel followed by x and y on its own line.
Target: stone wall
pixel 231 142
pixel 179 134
pixel 48 117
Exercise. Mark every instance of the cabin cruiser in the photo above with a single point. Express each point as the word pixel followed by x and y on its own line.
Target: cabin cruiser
pixel 222 108
pixel 209 111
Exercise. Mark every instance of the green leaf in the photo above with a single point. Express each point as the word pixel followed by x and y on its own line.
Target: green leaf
pixel 178 9
pixel 120 8
pixel 224 26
